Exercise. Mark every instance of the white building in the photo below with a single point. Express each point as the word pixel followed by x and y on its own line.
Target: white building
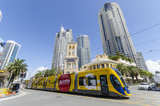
pixel 157 77
pixel 102 61
pixel 60 48
pixel 71 59
pixel 9 53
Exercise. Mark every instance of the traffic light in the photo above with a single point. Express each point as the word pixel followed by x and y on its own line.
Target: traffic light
pixel 2 44
pixel 23 75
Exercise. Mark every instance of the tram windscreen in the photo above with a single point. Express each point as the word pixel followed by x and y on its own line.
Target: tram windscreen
pixel 115 82
pixel 121 77
pixel 123 82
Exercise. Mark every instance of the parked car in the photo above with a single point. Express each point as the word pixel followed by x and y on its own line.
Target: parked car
pixel 155 87
pixel 152 86
pixel 143 86
pixel 146 86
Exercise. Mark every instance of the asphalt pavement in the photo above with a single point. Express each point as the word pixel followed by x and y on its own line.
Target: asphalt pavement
pixel 45 98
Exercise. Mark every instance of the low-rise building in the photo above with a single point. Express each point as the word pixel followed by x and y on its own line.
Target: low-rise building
pixel 103 61
pixel 71 59
pixel 3 77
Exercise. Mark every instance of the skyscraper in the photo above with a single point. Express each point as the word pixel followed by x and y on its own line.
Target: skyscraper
pixel 9 53
pixel 60 48
pixel 140 61
pixel 114 32
pixel 83 50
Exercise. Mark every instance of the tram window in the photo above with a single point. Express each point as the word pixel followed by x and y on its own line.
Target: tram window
pixel 94 67
pixel 118 72
pixel 123 81
pixel 107 65
pixel 111 65
pixel 98 66
pixel 115 81
pixel 102 65
pixel 90 67
pixel 92 81
pixel 81 81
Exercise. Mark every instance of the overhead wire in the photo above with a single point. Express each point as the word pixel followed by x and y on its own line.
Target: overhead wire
pixel 145 29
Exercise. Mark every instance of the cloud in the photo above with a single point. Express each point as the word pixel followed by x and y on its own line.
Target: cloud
pixel 32 73
pixel 153 65
pixel 0 15
pixel 1 40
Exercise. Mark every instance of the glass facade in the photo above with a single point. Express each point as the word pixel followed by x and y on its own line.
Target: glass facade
pixel 14 53
pixel 60 47
pixel 114 32
pixel 83 50
pixel 9 53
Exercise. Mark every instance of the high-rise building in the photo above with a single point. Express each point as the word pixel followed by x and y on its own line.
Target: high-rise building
pixel 60 48
pixel 114 32
pixel 140 61
pixel 71 59
pixel 9 53
pixel 83 50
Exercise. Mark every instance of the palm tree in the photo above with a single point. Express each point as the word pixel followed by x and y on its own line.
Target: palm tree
pixel 39 74
pixel 134 72
pixel 116 58
pixel 123 69
pixel 146 74
pixel 120 56
pixel 130 72
pixel 16 68
pixel 10 69
pixel 49 72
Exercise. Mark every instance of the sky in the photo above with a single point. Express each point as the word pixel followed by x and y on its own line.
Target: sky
pixel 34 24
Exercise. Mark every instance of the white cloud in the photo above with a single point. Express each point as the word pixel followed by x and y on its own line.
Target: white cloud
pixel 1 40
pixel 153 65
pixel 32 73
pixel 0 15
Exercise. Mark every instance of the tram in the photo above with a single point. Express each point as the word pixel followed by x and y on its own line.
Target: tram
pixel 102 81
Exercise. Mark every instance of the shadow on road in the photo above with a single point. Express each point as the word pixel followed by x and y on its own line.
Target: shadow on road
pixel 86 95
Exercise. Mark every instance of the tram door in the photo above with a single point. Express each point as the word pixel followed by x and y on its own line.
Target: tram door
pixel 104 85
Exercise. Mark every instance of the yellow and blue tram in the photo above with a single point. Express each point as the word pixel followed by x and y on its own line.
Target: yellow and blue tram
pixel 106 81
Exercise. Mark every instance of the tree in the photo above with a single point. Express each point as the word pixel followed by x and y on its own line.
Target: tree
pixel 49 72
pixel 16 68
pixel 114 57
pixel 39 74
pixel 146 74
pixel 123 69
pixel 120 56
pixel 134 72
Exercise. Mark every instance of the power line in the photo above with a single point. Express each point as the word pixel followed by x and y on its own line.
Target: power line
pixel 146 29
pixel 148 42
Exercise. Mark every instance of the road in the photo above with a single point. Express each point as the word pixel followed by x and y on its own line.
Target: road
pixel 44 98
